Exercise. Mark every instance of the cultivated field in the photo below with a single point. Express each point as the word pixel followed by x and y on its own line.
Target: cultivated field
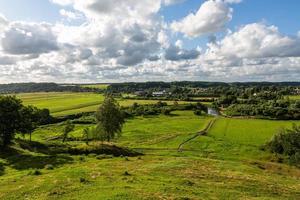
pixel 294 97
pixel 225 164
pixel 97 86
pixel 67 103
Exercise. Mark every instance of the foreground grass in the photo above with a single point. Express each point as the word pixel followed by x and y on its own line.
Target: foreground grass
pixel 224 164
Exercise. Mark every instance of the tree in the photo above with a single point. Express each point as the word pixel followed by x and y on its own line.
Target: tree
pixel 85 134
pixel 110 119
pixel 10 118
pixel 69 127
pixel 29 122
pixel 16 118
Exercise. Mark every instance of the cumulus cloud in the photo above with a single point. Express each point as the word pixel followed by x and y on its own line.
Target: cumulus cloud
pixel 128 40
pixel 212 16
pixel 176 52
pixel 28 38
pixel 255 40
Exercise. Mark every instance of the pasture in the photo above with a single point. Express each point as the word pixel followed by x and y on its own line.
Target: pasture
pixel 225 164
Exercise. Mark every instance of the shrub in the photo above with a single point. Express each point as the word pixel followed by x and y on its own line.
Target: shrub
pixel 198 112
pixel 166 111
pixel 49 167
pixel 287 142
pixel 35 173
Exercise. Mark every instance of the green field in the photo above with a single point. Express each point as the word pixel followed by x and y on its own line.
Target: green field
pixel 96 86
pixel 63 103
pixel 67 103
pixel 294 97
pixel 225 164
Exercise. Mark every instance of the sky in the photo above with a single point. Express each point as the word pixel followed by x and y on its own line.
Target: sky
pixel 75 41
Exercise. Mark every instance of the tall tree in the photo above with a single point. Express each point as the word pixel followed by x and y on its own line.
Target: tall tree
pixel 110 119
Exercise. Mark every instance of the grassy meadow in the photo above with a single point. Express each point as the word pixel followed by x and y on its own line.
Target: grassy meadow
pixel 224 164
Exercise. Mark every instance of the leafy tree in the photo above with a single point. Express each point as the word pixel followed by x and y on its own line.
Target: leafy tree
pixel 110 119
pixel 10 118
pixel 69 127
pixel 29 122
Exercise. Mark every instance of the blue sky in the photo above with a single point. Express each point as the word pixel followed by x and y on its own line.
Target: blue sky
pixel 182 51
pixel 282 13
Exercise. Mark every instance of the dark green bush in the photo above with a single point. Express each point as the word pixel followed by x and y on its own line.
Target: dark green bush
pixel 287 142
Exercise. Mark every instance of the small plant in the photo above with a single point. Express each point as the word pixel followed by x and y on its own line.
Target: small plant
pixel 126 173
pixel 35 173
pixel 49 167
pixel 82 180
pixel 81 158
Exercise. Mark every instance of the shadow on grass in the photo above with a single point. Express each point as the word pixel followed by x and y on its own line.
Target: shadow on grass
pixel 20 160
pixel 1 169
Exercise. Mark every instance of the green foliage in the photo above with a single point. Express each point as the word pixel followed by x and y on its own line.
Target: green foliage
pixel 69 127
pixel 110 119
pixel 287 142
pixel 10 118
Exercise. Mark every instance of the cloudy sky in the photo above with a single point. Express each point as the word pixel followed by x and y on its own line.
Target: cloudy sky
pixel 82 41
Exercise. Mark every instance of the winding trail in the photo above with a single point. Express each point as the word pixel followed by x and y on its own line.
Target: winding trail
pixel 200 133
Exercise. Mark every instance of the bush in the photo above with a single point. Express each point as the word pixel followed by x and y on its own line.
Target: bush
pixel 49 167
pixel 198 112
pixel 35 173
pixel 287 142
pixel 166 111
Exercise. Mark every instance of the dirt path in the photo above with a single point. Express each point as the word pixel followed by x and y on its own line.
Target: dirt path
pixel 201 133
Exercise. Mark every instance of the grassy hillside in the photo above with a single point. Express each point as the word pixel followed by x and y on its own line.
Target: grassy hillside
pixel 224 164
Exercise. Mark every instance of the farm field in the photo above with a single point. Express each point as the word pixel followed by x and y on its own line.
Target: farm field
pixel 96 86
pixel 294 97
pixel 67 103
pixel 216 166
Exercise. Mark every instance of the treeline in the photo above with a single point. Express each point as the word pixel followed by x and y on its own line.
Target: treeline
pixel 269 105
pixel 162 108
pixel 185 89
pixel 43 87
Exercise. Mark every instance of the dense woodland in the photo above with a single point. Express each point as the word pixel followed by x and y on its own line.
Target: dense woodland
pixel 43 87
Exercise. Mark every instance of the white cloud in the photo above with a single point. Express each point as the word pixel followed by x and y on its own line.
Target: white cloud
pixel 171 2
pixel 69 14
pixel 212 16
pixel 233 1
pixel 255 41
pixel 129 41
